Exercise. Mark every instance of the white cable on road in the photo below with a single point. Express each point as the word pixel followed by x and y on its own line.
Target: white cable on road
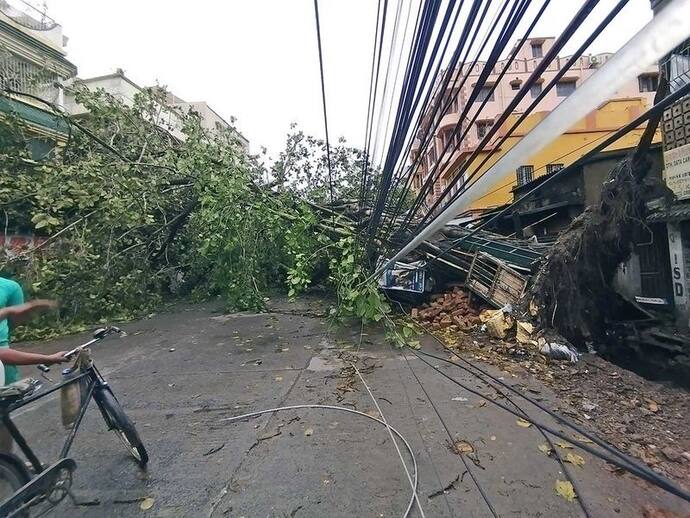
pixel 668 29
pixel 395 443
pixel 413 498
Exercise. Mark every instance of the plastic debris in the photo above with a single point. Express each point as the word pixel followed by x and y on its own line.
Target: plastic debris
pixel 557 351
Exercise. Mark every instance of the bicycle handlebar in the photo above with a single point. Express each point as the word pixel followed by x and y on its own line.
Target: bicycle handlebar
pixel 98 335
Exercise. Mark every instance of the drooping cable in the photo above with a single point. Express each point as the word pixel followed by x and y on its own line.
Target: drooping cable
pixel 410 504
pixel 323 96
pixel 544 91
pixel 440 108
pixel 661 35
pixel 549 57
pixel 441 164
pixel 634 469
pixel 455 138
pixel 365 160
pixel 395 443
pixel 654 110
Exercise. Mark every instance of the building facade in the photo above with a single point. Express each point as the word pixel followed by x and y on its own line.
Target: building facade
pixel 210 119
pixel 630 101
pixel 169 117
pixel 124 90
pixel 33 64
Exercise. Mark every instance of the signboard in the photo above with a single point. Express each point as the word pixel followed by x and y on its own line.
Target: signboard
pixel 677 171
pixel 679 277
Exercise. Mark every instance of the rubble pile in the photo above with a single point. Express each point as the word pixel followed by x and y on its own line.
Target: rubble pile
pixel 452 310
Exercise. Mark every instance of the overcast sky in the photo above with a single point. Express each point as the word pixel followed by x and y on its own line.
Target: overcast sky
pixel 257 60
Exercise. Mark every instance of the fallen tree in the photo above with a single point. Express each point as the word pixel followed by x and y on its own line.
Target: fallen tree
pixel 572 291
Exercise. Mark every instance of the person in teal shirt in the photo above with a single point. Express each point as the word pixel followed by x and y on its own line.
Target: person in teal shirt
pixel 14 310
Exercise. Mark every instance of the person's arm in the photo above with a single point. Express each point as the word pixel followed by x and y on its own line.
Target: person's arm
pixel 21 312
pixel 13 357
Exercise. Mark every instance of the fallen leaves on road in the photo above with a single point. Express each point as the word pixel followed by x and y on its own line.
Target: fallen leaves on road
pixel 146 504
pixel 462 447
pixel 308 432
pixel 564 445
pixel 565 490
pixel 545 449
pixel 523 423
pixel 574 458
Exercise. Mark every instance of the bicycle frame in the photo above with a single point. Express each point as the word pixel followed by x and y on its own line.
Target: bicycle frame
pixel 94 381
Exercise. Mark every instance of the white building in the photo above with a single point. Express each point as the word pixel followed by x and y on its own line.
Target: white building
pixel 210 119
pixel 123 89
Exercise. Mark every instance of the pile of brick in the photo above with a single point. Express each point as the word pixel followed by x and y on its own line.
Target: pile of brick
pixel 450 310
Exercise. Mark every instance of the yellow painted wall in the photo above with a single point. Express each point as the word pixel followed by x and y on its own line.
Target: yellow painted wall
pixel 570 146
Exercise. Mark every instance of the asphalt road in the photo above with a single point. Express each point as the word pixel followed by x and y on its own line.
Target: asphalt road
pixel 180 374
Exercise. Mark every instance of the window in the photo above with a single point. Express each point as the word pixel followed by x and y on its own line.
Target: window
pixel 537 51
pixel 524 174
pixel 485 93
pixel 535 90
pixel 26 77
pixel 483 128
pixel 565 88
pixel 648 83
pixel 552 168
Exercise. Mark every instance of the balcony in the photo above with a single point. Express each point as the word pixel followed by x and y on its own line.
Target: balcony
pixel 449 120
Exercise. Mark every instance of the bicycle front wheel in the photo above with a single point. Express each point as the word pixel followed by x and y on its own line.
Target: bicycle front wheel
pixel 122 426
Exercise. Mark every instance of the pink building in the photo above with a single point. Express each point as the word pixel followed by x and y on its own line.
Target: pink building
pixel 526 60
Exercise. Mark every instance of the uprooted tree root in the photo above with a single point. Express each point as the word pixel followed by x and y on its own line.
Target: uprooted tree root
pixel 573 288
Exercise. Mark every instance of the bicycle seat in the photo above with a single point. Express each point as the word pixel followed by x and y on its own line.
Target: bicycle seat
pixel 18 390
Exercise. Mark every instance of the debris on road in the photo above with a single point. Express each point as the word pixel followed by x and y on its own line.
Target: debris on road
pixel 558 351
pixel 565 489
pixel 453 310
pixel 214 450
pixel 524 424
pixel 452 485
pixel 146 504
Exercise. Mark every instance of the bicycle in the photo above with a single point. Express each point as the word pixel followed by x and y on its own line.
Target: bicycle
pixel 21 490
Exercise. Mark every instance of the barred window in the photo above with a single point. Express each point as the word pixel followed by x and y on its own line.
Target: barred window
pixel 483 128
pixel 552 168
pixel 23 76
pixel 524 174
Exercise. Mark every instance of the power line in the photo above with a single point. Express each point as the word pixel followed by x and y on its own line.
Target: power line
pixel 662 34
pixel 323 96
pixel 654 110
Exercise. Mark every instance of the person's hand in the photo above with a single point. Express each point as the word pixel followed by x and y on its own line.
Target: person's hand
pixel 56 358
pixel 43 304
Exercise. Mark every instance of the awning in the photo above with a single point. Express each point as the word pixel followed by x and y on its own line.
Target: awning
pixel 676 212
pixel 45 120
